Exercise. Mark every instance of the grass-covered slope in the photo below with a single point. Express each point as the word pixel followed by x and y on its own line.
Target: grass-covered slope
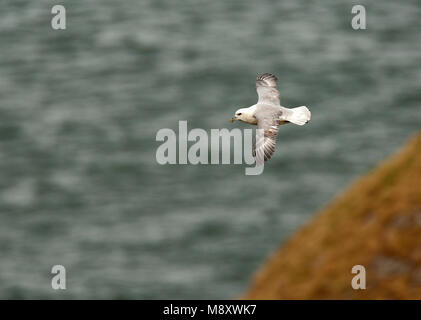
pixel 375 223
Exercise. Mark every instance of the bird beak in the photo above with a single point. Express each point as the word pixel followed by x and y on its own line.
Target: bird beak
pixel 233 119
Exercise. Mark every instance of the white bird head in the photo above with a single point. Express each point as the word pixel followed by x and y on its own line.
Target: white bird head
pixel 245 115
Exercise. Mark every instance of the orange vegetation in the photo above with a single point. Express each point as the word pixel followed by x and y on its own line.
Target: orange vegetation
pixel 376 223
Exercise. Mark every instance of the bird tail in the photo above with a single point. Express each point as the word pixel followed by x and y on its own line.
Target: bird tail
pixel 300 115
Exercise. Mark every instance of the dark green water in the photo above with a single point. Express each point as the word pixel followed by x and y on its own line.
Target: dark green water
pixel 80 108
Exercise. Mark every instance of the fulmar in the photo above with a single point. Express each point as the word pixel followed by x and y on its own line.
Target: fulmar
pixel 268 114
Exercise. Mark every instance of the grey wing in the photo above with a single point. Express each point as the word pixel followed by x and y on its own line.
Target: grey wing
pixel 270 126
pixel 266 86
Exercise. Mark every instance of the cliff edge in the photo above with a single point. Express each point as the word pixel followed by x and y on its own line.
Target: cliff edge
pixel 376 223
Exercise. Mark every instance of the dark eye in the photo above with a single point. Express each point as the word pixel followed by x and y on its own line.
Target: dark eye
pixel 239 114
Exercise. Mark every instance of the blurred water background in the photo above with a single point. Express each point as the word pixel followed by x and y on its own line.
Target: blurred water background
pixel 80 108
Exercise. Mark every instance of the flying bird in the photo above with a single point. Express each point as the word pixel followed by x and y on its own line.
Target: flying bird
pixel 268 114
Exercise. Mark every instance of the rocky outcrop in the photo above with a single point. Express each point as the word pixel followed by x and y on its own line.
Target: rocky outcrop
pixel 376 223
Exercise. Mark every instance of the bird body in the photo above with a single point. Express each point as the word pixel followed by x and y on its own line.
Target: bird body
pixel 268 114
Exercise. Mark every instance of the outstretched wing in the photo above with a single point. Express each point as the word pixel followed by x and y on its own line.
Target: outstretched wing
pixel 266 145
pixel 266 86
